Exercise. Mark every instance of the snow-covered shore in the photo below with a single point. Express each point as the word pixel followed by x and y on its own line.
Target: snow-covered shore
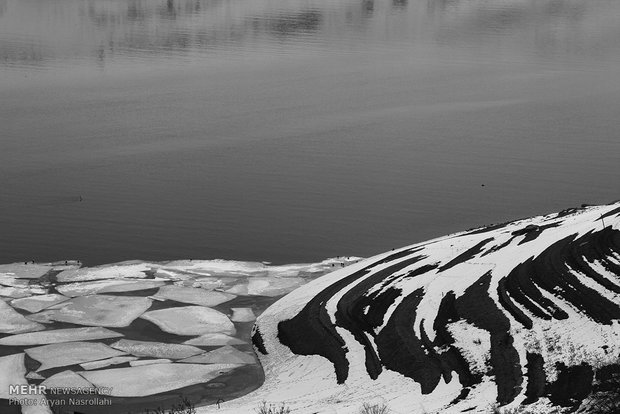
pixel 525 312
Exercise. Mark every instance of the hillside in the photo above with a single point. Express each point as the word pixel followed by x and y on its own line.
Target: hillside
pixel 520 313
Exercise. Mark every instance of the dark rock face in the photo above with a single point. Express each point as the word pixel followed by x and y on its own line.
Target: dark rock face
pixel 430 311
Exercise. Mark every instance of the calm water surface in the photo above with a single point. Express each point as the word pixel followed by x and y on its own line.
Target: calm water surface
pixel 293 130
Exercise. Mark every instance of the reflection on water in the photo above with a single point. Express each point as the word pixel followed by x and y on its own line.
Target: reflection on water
pixel 293 130
pixel 38 32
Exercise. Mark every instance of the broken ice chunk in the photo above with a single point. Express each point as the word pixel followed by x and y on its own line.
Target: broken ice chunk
pixel 193 295
pixel 38 303
pixel 156 349
pixel 190 320
pixel 121 270
pixel 67 379
pixel 224 355
pixel 107 362
pixel 24 271
pixel 59 335
pixel 108 286
pixel 12 372
pixel 70 353
pixel 242 315
pixel 215 339
pixel 12 322
pixel 101 310
pixel 141 362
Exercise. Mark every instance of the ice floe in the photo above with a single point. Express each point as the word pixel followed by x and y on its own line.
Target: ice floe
pixel 156 349
pixel 224 355
pixel 12 372
pixel 132 381
pixel 190 320
pixel 108 286
pixel 66 379
pixel 13 281
pixel 101 310
pixel 70 353
pixel 107 362
pixel 141 362
pixel 38 303
pixel 267 286
pixel 24 271
pixel 59 335
pixel 215 339
pixel 122 270
pixel 13 322
pixel 195 296
pixel 242 315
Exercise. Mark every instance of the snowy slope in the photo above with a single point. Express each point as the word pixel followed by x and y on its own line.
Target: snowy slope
pixel 525 312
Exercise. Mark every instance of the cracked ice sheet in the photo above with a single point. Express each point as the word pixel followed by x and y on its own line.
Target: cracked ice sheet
pixel 70 353
pixel 59 335
pixel 12 372
pixel 38 303
pixel 106 286
pixel 12 322
pixel 156 349
pixel 19 292
pixel 24 271
pixel 67 379
pixel 130 382
pixel 224 355
pixel 107 362
pixel 190 320
pixel 251 269
pixel 267 286
pixel 130 269
pixel 215 339
pixel 195 296
pixel 99 310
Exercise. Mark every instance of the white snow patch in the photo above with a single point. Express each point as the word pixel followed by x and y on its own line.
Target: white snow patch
pixel 130 382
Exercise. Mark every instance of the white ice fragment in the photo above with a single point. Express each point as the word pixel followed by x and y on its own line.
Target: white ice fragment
pixel 224 355
pixel 192 295
pixel 215 339
pixel 268 286
pixel 24 271
pixel 46 316
pixel 130 382
pixel 156 349
pixel 70 353
pixel 12 281
pixel 107 362
pixel 38 303
pixel 242 315
pixel 12 372
pixel 102 310
pixel 67 379
pixel 15 292
pixel 34 376
pixel 108 286
pixel 141 362
pixel 190 320
pixel 112 271
pixel 59 335
pixel 12 322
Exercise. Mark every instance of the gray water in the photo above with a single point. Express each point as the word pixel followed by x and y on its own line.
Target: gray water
pixel 293 130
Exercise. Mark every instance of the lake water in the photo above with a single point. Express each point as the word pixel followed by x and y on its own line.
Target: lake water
pixel 294 130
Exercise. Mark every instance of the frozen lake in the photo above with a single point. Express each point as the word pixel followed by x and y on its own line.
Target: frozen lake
pixel 294 130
